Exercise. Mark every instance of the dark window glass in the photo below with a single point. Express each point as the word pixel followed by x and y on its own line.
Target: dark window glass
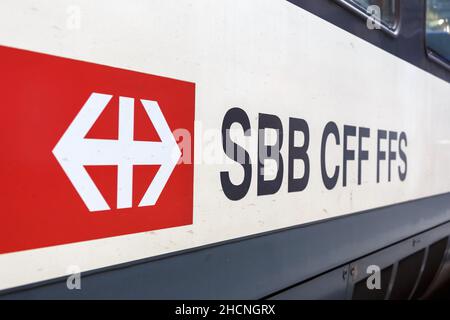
pixel 435 255
pixel 438 28
pixel 407 273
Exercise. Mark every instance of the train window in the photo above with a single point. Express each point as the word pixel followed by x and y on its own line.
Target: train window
pixel 386 11
pixel 438 29
pixel 435 255
pixel 407 273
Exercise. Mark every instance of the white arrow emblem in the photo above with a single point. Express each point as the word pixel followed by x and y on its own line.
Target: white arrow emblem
pixel 73 151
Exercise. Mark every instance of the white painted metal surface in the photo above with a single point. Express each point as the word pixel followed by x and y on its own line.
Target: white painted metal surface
pixel 264 56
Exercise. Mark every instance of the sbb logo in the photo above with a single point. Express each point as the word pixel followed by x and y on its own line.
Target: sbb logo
pixel 90 151
pixel 74 151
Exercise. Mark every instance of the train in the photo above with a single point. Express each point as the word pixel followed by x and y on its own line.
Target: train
pixel 226 149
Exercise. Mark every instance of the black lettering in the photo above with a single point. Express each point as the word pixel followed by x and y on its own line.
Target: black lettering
pixel 381 155
pixel 349 131
pixel 266 121
pixel 402 154
pixel 392 155
pixel 362 154
pixel 298 184
pixel 232 191
pixel 329 182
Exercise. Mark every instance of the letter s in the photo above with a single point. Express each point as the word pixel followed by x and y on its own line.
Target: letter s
pixel 232 191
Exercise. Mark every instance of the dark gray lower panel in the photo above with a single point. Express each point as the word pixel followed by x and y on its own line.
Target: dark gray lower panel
pixel 330 286
pixel 257 266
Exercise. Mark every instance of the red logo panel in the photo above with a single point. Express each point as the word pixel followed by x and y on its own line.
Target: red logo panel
pixel 88 151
